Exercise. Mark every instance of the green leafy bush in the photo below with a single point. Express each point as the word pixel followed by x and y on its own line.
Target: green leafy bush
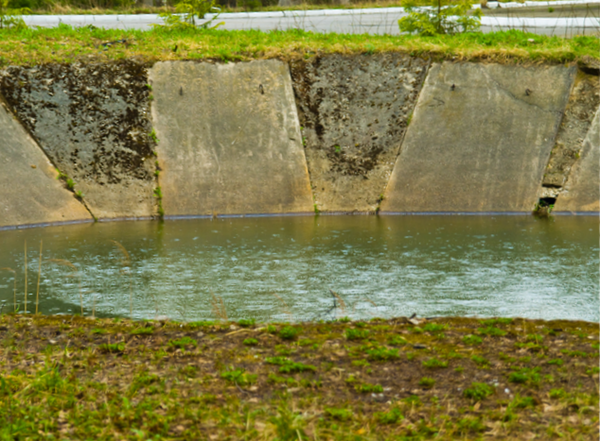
pixel 441 19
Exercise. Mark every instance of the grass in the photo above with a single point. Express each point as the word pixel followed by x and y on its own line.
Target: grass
pixel 65 45
pixel 71 377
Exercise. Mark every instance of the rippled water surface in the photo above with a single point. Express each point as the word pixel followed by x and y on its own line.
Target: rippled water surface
pixel 282 268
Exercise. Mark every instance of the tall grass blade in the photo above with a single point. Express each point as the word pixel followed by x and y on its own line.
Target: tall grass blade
pixel 75 273
pixel 218 307
pixel 15 288
pixel 126 263
pixel 37 292
pixel 25 254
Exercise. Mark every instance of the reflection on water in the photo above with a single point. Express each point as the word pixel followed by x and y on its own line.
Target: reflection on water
pixel 282 268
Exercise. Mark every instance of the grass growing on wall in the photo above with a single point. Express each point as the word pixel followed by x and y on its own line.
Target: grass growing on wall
pixel 65 44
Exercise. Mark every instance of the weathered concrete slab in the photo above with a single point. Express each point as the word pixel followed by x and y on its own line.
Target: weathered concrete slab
pixel 354 110
pixel 582 190
pixel 480 139
pixel 93 122
pixel 29 190
pixel 229 139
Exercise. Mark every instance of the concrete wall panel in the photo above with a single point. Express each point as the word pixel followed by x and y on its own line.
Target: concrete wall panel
pixel 229 139
pixel 582 190
pixel 92 121
pixel 29 190
pixel 355 111
pixel 480 139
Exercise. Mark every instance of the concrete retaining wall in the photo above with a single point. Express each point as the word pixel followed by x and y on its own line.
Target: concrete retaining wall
pixel 229 139
pixel 30 192
pixel 454 137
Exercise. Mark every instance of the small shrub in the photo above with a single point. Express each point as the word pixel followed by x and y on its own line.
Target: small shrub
pixel 391 417
pixel 356 334
pixel 289 333
pixel 449 19
pixel 339 414
pixel 472 340
pixel 426 382
pixel 250 342
pixel 434 363
pixel 478 391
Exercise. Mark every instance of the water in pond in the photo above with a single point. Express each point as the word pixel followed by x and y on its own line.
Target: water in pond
pixel 282 268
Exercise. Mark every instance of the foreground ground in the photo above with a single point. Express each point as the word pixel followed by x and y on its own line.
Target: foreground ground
pixel 65 377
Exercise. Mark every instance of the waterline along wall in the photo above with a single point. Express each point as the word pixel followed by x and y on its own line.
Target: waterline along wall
pixel 386 133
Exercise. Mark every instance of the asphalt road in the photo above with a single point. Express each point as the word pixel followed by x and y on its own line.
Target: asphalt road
pixel 570 18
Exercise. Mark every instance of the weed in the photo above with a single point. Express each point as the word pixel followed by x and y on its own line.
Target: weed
pixel 426 382
pixel 382 354
pixel 480 361
pixel 112 347
pixel 472 340
pixel 365 388
pixel 557 393
pixel 356 334
pixel 79 195
pixel 152 136
pixel 70 184
pixel 391 417
pixel 339 414
pixel 142 331
pixel 526 375
pixel 478 391
pixel 250 342
pixel 434 363
pixel 361 363
pixel 289 333
pixel 288 366
pixel 183 342
pixel 99 331
pixel 271 329
pixel 434 328
pixel 247 323
pixel 239 376
pixel 521 402
pixel 492 331
pixel 396 340
pixel 496 321
pixel 470 425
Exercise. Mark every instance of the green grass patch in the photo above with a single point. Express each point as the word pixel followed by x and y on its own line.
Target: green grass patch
pixel 478 391
pixel 65 45
pixel 434 363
